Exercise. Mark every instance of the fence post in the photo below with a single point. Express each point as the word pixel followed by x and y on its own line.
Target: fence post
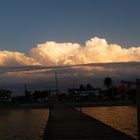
pixel 138 106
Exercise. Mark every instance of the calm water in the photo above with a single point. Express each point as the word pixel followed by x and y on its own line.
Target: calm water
pixel 121 118
pixel 22 124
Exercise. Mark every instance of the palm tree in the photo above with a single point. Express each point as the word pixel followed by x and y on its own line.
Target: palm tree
pixel 108 82
pixel 82 87
pixel 89 87
pixel 5 94
pixel 109 86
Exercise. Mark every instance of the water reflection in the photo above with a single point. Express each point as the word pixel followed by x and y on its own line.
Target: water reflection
pixel 121 118
pixel 23 124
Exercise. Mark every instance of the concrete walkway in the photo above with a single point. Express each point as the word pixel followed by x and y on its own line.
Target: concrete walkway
pixel 67 123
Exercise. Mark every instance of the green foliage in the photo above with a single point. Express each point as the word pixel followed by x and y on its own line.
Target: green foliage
pixel 5 94
pixel 82 87
pixel 108 82
pixel 89 87
pixel 40 94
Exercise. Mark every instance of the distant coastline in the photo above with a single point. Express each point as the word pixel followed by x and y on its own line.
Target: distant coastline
pixel 102 104
pixel 24 106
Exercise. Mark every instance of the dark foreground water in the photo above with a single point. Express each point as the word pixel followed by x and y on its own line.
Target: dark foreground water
pixel 22 124
pixel 122 118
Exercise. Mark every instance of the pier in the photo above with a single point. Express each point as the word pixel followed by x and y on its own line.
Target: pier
pixel 67 123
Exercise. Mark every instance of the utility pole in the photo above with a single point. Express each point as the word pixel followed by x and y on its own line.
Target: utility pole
pixel 56 82
pixel 73 85
pixel 25 86
pixel 25 89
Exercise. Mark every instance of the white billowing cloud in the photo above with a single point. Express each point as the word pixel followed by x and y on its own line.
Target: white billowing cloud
pixel 95 50
pixel 9 58
pixel 52 53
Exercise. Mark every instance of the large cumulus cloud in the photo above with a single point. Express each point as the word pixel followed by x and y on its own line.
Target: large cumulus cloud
pixel 52 53
pixel 95 50
pixel 9 58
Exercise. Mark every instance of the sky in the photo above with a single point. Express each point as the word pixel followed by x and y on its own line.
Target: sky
pixel 41 37
pixel 26 23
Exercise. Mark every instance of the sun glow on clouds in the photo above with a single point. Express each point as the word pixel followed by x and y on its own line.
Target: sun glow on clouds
pixel 27 72
pixel 52 53
pixel 95 50
pixel 9 58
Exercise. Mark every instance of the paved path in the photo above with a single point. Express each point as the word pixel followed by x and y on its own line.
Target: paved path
pixel 67 123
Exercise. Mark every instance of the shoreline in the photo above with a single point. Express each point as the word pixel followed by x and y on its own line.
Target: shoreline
pixel 24 106
pixel 101 104
pixel 10 105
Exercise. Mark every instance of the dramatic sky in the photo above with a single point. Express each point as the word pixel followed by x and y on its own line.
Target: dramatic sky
pixel 39 36
pixel 26 23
